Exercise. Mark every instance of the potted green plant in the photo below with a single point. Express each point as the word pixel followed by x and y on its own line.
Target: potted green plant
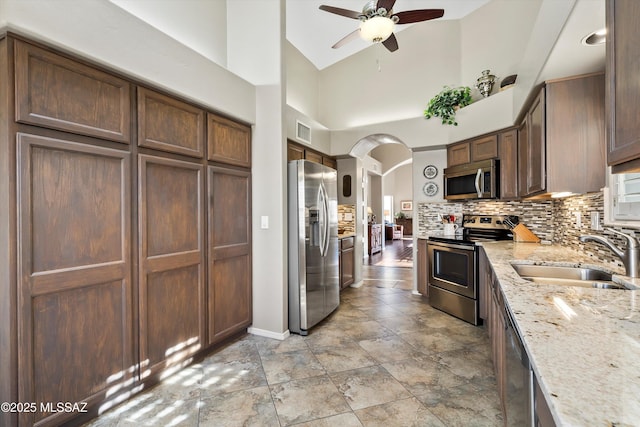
pixel 446 103
pixel 400 215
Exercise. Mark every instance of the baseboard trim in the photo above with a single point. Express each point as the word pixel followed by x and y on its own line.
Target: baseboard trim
pixel 356 285
pixel 269 334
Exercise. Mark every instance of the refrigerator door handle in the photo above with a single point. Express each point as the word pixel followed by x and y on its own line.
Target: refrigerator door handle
pixel 321 219
pixel 325 205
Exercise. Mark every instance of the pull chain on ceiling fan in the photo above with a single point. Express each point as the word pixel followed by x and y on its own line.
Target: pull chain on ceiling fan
pixel 377 21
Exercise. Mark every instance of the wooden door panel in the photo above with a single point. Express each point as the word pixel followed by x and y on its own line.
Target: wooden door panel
pixel 536 179
pixel 622 78
pixel 508 142
pixel 228 142
pixel 69 286
pixel 458 154
pixel 230 296
pixel 173 318
pixel 170 209
pixel 66 194
pixel 230 203
pixel 59 93
pixel 172 193
pixel 484 148
pixel 229 287
pixel 75 353
pixel 166 124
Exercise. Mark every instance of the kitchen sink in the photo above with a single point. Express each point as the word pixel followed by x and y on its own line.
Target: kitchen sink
pixel 567 276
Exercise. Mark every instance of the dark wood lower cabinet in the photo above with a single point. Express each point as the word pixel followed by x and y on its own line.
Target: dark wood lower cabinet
pixel 347 261
pixel 75 340
pixel 423 268
pixel 229 282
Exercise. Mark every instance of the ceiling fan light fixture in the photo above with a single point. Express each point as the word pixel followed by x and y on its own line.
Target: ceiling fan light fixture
pixel 376 29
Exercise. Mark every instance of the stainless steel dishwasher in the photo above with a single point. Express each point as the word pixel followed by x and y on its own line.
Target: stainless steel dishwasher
pixel 519 377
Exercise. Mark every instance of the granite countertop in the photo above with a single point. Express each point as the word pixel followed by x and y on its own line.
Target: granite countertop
pixel 583 343
pixel 345 235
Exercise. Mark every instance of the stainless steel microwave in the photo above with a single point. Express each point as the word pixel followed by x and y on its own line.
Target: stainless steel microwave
pixel 479 180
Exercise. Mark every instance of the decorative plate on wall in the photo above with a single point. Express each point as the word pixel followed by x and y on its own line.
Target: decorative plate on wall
pixel 430 189
pixel 430 172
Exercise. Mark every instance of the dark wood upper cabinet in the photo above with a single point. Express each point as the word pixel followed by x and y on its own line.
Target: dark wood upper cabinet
pixel 167 124
pixel 623 91
pixel 75 339
pixel 474 150
pixel 458 154
pixel 55 92
pixel 484 148
pixel 229 243
pixel 171 267
pixel 296 151
pixel 508 153
pixel 228 141
pixel 561 148
pixel 536 147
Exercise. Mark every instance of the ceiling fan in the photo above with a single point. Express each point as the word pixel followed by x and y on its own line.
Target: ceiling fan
pixel 377 20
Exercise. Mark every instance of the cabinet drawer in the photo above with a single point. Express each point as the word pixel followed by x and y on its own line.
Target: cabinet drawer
pixel 484 148
pixel 56 92
pixel 167 124
pixel 228 142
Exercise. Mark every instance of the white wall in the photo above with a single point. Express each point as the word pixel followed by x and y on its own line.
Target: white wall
pixel 399 185
pixel 198 24
pixel 302 82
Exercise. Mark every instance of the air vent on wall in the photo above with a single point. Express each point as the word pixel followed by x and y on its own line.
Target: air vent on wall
pixel 303 132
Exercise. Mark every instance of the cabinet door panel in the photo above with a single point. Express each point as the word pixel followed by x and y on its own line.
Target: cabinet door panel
pixel 56 92
pixel 523 157
pixel 458 154
pixel 74 273
pixel 536 176
pixel 228 142
pixel 171 260
pixel 229 287
pixel 508 164
pixel 167 124
pixel 623 91
pixel 484 148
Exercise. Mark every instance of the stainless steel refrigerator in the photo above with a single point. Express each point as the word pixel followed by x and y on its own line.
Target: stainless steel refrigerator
pixel 314 288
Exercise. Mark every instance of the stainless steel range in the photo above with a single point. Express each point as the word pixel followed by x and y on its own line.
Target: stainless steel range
pixel 453 264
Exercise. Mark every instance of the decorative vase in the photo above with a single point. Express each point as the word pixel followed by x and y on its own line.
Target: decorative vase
pixel 485 83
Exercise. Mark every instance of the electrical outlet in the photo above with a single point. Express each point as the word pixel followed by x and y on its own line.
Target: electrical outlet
pixel 578 220
pixel 595 221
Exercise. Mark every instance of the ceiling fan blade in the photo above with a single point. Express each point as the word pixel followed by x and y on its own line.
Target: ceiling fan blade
pixel 387 4
pixel 342 12
pixel 346 39
pixel 409 16
pixel 391 43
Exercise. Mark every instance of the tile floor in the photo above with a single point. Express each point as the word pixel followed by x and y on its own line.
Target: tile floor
pixel 384 358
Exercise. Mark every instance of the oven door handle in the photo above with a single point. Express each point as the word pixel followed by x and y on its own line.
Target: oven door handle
pixel 452 246
pixel 478 188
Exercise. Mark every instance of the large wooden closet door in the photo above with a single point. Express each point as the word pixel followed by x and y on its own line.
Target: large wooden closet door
pixel 229 287
pixel 171 260
pixel 75 336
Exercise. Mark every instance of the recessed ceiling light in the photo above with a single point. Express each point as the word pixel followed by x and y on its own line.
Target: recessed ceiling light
pixel 595 38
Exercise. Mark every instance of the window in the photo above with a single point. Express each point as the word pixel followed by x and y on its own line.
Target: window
pixel 624 198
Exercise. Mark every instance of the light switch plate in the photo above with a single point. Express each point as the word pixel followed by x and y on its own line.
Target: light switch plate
pixel 264 222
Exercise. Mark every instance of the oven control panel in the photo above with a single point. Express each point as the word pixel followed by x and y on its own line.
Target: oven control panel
pixel 493 222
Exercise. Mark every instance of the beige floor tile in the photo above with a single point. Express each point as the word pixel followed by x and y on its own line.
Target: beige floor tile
pixel 422 375
pixel 405 413
pixel 348 419
pixel 343 357
pixel 370 386
pixel 389 348
pixel 227 377
pixel 282 367
pixel 307 399
pixel 252 407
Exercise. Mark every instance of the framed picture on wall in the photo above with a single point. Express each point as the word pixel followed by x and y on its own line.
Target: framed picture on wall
pixel 406 205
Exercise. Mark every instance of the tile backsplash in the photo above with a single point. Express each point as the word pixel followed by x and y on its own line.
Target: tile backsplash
pixel 347 219
pixel 558 221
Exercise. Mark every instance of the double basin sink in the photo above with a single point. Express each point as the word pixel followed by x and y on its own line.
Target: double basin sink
pixel 568 276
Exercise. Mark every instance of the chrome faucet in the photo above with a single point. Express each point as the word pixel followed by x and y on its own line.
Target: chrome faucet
pixel 630 256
